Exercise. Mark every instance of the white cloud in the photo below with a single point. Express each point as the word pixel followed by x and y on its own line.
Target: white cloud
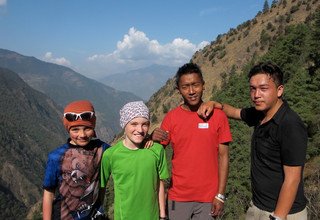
pixel 136 50
pixel 3 2
pixel 208 11
pixel 61 61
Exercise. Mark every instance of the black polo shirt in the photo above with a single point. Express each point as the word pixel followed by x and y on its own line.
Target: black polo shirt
pixel 280 141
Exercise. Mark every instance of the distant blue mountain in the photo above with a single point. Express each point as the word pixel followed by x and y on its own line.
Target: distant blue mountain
pixel 142 82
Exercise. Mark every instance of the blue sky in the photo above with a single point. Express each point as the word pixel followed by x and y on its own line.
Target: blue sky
pixel 101 37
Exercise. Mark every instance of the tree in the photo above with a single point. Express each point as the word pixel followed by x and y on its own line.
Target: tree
pixel 274 3
pixel 265 6
pixel 314 44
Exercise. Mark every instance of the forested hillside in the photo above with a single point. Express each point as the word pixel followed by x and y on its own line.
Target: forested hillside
pixel 30 125
pixel 231 51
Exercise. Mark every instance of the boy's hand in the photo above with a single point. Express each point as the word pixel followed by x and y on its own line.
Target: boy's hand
pixel 148 144
pixel 217 208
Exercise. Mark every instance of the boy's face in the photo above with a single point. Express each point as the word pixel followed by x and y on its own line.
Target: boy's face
pixel 191 88
pixel 264 92
pixel 136 130
pixel 81 135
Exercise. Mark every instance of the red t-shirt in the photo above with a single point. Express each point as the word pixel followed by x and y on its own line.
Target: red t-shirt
pixel 195 145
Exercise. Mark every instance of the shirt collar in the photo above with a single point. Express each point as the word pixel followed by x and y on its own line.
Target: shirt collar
pixel 281 112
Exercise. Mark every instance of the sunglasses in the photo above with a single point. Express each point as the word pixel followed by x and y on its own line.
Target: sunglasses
pixel 85 116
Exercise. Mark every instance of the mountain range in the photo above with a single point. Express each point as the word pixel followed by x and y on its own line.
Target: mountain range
pixel 142 82
pixel 64 85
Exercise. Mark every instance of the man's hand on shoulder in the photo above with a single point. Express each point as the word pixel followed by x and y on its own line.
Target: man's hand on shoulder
pixel 206 108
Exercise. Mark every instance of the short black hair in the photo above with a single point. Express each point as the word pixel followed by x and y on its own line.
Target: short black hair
pixel 270 69
pixel 188 68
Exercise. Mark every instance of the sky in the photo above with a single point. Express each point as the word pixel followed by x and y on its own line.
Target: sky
pixel 102 37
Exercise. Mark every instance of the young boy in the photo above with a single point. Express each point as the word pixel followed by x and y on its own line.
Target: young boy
pixel 73 169
pixel 138 173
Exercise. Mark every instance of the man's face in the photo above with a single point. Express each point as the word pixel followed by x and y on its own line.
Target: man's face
pixel 81 135
pixel 264 92
pixel 191 88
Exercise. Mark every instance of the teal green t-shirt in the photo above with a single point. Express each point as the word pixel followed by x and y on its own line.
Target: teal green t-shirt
pixel 136 175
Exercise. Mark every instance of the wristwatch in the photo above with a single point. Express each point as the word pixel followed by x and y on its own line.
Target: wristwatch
pixel 220 196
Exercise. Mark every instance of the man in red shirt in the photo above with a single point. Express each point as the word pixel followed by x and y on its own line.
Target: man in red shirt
pixel 200 151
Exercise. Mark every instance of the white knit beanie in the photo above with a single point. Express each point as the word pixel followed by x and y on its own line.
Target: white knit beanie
pixel 133 110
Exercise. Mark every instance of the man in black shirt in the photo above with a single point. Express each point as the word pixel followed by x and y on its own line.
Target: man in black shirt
pixel 278 147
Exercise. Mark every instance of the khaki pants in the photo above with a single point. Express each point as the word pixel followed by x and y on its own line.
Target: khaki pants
pixel 254 213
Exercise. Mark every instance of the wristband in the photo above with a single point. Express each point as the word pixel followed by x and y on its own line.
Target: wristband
pixel 217 198
pixel 220 196
pixel 274 217
pixel 163 218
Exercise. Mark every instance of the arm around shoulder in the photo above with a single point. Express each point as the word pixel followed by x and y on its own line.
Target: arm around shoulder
pixel 207 108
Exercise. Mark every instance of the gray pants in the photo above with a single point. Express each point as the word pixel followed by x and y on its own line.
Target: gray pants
pixel 254 213
pixel 189 210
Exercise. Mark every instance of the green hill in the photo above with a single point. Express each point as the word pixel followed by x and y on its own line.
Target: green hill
pixel 30 126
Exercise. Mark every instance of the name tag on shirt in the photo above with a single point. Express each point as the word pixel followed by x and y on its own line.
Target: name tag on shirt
pixel 203 125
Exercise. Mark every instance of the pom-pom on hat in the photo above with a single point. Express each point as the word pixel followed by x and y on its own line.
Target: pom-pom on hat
pixel 133 110
pixel 78 107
